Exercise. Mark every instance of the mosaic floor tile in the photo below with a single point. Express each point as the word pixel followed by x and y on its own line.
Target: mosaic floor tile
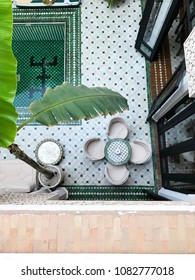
pixel 108 59
pixel 46 43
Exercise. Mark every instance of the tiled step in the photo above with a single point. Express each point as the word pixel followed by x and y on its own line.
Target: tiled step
pixel 108 192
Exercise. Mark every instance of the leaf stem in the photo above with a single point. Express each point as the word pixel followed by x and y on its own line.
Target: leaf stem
pixel 24 123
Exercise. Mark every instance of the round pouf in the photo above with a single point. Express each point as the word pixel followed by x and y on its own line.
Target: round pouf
pixel 55 180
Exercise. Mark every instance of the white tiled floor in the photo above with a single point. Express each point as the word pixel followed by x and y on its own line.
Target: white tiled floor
pixel 108 59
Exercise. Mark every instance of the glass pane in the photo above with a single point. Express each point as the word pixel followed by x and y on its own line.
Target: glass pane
pixel 180 186
pixel 181 132
pixel 172 86
pixel 157 18
pixel 145 50
pixel 182 163
pixel 181 107
pixel 192 13
pixel 193 22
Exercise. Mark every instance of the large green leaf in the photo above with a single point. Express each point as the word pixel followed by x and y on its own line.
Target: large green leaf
pixel 67 103
pixel 8 82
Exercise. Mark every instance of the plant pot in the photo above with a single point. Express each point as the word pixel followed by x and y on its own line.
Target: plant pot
pixel 55 181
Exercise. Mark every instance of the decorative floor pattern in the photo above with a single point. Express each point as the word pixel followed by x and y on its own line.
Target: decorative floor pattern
pixel 37 58
pixel 160 71
pixel 108 59
pixel 46 43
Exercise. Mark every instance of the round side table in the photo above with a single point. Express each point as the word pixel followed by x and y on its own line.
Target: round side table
pixel 49 152
pixel 117 151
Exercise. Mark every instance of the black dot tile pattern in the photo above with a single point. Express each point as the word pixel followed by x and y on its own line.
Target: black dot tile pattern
pixel 108 58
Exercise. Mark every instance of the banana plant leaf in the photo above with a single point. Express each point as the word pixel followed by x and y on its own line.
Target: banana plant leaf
pixel 8 83
pixel 67 103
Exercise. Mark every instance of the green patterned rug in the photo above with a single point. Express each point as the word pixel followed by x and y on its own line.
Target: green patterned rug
pixel 46 43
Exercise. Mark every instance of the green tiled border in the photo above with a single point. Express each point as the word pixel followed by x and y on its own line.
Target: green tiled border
pixel 147 63
pixel 152 130
pixel 108 192
pixel 72 18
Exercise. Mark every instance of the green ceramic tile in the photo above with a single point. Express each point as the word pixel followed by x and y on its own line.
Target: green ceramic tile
pixel 42 36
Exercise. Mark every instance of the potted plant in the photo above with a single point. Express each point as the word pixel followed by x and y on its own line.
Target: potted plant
pixel 112 3
pixel 63 103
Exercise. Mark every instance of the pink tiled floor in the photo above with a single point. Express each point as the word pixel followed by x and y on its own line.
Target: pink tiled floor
pixel 93 232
